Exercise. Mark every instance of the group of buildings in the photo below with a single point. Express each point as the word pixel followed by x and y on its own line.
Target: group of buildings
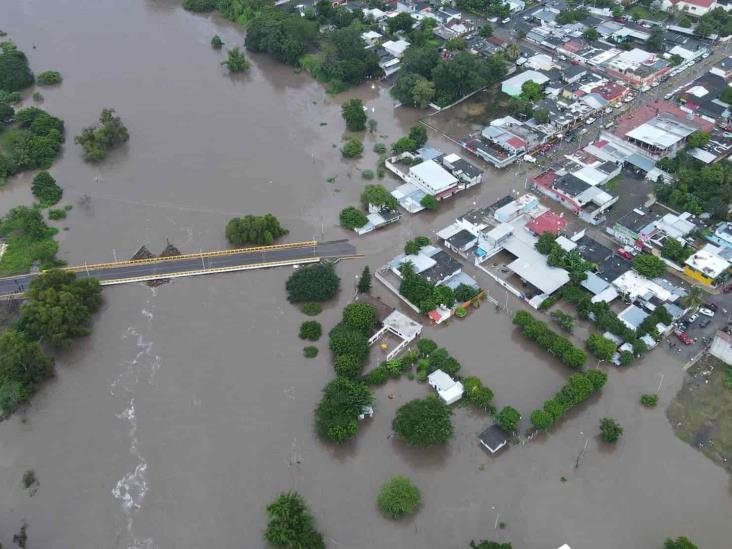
pixel 589 68
pixel 429 172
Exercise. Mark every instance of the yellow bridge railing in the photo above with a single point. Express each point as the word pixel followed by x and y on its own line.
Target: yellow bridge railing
pixel 235 251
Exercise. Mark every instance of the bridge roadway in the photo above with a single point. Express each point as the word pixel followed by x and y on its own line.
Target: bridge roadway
pixel 196 264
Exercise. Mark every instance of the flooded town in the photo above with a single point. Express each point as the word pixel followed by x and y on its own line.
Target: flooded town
pixel 510 221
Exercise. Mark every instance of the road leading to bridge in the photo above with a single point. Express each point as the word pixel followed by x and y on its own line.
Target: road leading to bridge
pixel 196 264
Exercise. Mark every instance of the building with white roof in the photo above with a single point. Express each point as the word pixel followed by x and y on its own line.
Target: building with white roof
pixel 722 235
pixel 676 226
pixel 512 86
pixel 708 266
pixel 432 178
pixel 371 38
pixel 396 47
pixel 532 267
pixel 449 390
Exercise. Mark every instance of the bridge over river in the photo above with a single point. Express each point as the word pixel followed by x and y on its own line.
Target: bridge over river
pixel 241 259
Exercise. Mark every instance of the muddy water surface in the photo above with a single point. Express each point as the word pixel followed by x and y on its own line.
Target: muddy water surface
pixel 190 406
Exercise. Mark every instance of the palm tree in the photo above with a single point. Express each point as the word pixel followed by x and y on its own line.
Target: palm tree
pixel 236 61
pixel 512 52
pixel 693 298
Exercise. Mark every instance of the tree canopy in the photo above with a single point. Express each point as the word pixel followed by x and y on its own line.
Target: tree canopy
pixel 59 307
pixel 15 74
pixel 697 139
pixel 696 187
pixel 508 419
pixel 284 35
pixel 424 422
pixel 45 189
pixel 378 196
pixel 602 348
pixel 364 282
pixel 28 240
pixel 23 367
pixel 352 218
pixel 532 91
pixel 108 134
pixel 312 283
pixel 360 316
pixel 235 60
pixel 610 430
pixel 398 497
pixel 290 524
pixel 49 78
pixel 336 417
pixel 354 115
pixel 34 143
pixel 649 266
pixel 252 229
pixel 682 542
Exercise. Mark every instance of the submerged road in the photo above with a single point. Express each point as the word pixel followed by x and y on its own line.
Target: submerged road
pixel 196 264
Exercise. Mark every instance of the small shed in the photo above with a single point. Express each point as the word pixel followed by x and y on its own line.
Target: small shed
pixel 449 390
pixel 493 438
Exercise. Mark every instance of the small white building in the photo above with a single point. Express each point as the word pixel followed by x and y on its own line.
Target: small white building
pixel 449 390
pixel 396 47
pixel 371 38
pixel 722 347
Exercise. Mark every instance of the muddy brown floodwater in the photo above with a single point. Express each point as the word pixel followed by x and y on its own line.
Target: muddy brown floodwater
pixel 190 406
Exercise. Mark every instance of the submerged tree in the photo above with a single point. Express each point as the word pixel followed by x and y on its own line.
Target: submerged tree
pixel 105 136
pixel 290 524
pixel 236 61
pixel 252 229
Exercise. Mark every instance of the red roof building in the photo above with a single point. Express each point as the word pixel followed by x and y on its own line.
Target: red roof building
pixel 610 91
pixel 548 222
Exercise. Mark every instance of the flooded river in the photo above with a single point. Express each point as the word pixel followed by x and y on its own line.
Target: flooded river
pixel 190 406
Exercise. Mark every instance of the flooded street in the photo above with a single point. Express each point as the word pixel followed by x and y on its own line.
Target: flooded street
pixel 190 406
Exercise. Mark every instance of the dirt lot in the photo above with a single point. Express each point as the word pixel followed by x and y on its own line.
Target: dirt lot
pixel 701 414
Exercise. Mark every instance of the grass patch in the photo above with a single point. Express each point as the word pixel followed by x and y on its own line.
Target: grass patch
pixel 701 413
pixel 28 240
pixel 642 12
pixel 56 214
pixel 311 309
pixel 613 183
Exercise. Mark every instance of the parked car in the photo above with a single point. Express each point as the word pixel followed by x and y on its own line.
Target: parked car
pixel 693 318
pixel 590 120
pixel 683 337
pixel 711 307
pixel 704 322
pixel 706 312
pixel 625 254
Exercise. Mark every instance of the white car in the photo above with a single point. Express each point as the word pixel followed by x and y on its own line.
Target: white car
pixel 706 312
pixel 693 318
pixel 590 120
pixel 608 110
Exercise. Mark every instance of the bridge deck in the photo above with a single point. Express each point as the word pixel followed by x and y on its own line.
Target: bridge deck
pixel 197 264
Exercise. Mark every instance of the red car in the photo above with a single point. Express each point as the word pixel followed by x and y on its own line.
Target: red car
pixel 625 254
pixel 684 338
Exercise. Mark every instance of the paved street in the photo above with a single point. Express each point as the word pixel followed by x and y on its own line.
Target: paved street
pixel 325 250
